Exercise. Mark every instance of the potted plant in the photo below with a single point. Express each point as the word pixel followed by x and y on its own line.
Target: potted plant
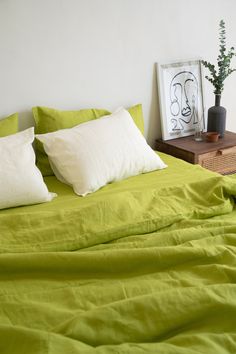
pixel 217 113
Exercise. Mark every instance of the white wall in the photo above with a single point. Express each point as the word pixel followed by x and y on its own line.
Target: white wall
pixel 72 54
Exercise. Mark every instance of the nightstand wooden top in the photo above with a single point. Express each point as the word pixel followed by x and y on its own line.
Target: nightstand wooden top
pixel 200 147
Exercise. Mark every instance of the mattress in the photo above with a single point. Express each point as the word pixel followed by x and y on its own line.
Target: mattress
pixel 147 264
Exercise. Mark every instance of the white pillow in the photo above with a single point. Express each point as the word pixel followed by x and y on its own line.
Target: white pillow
pixel 97 152
pixel 21 182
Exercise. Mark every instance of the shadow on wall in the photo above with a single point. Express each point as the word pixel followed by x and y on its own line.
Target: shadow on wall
pixel 26 120
pixel 154 129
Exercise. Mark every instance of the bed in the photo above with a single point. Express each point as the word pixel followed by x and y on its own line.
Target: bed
pixel 147 264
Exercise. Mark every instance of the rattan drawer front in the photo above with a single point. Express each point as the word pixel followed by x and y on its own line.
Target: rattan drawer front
pixel 222 161
pixel 219 156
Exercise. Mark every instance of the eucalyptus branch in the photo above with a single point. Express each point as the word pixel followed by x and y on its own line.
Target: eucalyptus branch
pixel 218 76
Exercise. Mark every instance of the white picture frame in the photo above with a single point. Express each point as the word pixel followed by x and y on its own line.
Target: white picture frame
pixel 181 98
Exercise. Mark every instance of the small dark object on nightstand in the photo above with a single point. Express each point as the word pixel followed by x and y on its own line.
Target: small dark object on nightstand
pixel 212 137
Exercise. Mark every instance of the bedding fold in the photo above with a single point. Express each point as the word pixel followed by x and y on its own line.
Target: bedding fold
pixel 114 216
pixel 143 265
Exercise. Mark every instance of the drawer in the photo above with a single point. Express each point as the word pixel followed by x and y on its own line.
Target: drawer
pixel 222 161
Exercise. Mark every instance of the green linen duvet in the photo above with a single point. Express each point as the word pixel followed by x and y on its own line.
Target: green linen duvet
pixel 146 265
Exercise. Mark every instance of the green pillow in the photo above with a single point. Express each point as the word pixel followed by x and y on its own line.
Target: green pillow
pixel 137 114
pixel 49 120
pixel 9 125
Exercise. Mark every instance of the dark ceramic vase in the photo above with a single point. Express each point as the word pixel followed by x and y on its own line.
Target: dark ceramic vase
pixel 216 118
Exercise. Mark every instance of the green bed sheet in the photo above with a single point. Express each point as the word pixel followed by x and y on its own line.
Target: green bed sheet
pixel 143 265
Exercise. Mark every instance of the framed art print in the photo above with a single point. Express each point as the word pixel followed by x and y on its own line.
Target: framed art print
pixel 180 87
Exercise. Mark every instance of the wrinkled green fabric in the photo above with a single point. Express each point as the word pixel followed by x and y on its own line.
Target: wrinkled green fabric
pixel 143 265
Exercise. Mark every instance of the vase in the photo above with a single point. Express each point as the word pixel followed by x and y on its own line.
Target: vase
pixel 217 118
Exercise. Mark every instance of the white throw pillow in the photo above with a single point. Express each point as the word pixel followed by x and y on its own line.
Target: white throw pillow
pixel 97 152
pixel 21 182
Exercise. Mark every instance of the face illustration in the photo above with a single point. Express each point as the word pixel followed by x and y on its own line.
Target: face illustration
pixel 183 100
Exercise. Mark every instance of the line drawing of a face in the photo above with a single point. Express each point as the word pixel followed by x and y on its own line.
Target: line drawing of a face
pixel 183 100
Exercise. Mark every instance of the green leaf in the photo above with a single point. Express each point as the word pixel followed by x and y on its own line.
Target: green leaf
pixel 223 62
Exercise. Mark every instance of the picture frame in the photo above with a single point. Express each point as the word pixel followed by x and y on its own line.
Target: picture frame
pixel 181 98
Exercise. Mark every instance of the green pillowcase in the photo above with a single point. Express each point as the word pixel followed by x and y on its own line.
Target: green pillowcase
pixel 136 113
pixel 9 125
pixel 49 120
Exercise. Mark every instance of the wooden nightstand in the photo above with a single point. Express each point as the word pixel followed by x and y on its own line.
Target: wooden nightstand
pixel 219 156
